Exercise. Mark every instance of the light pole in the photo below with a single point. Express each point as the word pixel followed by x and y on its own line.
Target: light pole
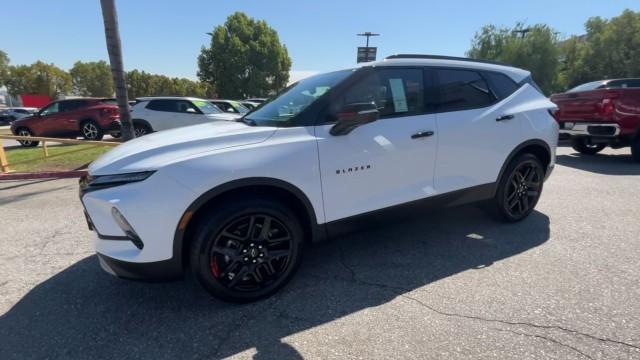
pixel 368 34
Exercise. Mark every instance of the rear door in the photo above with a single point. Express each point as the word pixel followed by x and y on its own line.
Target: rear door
pixel 477 126
pixel 70 116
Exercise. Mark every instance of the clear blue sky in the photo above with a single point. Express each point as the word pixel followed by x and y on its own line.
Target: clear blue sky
pixel 165 37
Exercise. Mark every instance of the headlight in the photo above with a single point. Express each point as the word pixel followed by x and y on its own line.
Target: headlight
pixel 118 179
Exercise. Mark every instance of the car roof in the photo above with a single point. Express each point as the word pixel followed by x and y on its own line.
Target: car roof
pixel 449 61
pixel 147 98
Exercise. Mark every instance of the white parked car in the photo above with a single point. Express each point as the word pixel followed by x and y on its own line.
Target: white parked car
pixel 151 114
pixel 230 106
pixel 237 202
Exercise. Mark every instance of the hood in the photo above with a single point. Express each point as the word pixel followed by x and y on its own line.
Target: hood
pixel 153 151
pixel 224 116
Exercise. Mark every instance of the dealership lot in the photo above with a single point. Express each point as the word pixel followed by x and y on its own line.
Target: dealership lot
pixel 453 284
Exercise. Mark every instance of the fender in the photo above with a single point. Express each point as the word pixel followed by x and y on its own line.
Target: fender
pixel 518 149
pixel 318 232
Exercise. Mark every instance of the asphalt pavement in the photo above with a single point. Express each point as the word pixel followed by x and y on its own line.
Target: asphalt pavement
pixel 452 284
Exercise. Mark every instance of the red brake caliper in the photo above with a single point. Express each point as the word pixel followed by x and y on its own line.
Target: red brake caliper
pixel 214 267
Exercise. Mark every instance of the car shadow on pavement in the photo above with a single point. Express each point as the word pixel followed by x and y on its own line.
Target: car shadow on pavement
pixel 82 312
pixel 606 164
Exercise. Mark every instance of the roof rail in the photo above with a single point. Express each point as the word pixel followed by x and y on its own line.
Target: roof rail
pixel 443 57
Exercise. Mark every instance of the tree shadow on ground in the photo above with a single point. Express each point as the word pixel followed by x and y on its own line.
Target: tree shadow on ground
pixel 82 312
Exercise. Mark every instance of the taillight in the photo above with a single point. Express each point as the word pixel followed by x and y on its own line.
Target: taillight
pixel 608 105
pixel 110 111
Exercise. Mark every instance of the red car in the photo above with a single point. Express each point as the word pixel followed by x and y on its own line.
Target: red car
pixel 90 118
pixel 600 114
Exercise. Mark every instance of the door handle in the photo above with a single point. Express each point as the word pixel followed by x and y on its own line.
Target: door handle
pixel 504 117
pixel 421 134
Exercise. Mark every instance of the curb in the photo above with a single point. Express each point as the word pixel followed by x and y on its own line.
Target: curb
pixel 43 175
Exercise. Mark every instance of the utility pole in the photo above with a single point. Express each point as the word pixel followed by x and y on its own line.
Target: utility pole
pixel 114 48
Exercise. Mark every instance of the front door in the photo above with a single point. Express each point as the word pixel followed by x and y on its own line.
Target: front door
pixel 386 162
pixel 49 121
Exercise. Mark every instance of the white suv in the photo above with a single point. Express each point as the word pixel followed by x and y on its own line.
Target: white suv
pixel 237 202
pixel 151 114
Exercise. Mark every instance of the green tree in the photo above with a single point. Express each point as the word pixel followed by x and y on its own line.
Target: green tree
pixel 534 48
pixel 245 58
pixel 92 78
pixel 140 83
pixel 610 49
pixel 4 67
pixel 38 78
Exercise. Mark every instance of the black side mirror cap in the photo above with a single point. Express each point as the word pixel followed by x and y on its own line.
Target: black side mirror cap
pixel 353 115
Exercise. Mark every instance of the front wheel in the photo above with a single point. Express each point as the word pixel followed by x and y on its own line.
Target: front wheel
pixel 247 249
pixel 583 146
pixel 519 188
pixel 141 130
pixel 26 143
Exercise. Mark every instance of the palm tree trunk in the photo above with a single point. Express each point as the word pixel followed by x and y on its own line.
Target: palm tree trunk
pixel 114 48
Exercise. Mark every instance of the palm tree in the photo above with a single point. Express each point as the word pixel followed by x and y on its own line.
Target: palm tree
pixel 114 48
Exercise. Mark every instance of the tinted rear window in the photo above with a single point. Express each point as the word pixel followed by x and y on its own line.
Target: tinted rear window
pixel 459 90
pixel 162 105
pixel 501 85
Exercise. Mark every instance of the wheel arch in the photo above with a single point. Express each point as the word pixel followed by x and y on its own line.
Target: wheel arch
pixel 537 147
pixel 280 189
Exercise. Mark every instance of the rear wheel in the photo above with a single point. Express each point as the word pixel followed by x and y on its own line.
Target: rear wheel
pixel 584 146
pixel 26 143
pixel 91 131
pixel 247 249
pixel 141 129
pixel 519 188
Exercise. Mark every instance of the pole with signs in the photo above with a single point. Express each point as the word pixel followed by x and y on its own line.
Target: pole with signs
pixel 367 53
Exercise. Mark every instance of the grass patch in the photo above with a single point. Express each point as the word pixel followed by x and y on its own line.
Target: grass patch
pixel 60 163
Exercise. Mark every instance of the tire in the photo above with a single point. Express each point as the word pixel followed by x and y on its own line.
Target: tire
pixel 230 240
pixel 116 134
pixel 519 188
pixel 635 149
pixel 582 146
pixel 91 131
pixel 26 143
pixel 140 129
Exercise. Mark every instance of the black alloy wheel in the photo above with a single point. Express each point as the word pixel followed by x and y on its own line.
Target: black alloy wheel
pixel 520 188
pixel 248 250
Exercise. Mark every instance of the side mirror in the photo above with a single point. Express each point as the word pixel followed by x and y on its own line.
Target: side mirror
pixel 353 115
pixel 191 111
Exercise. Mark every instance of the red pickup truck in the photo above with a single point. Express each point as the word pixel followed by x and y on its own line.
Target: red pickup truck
pixel 600 114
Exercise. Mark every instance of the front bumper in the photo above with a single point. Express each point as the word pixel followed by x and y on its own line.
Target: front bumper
pixel 569 128
pixel 153 208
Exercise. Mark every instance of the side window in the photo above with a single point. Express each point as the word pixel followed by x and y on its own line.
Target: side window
pixel 501 85
pixel 223 106
pixel 162 105
pixel 396 92
pixel 51 109
pixel 184 106
pixel 460 90
pixel 71 105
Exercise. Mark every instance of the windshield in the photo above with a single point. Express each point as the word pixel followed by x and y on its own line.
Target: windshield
pixel 295 98
pixel 206 107
pixel 240 108
pixel 588 86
